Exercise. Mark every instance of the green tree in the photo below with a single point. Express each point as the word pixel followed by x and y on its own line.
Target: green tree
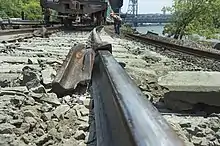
pixel 198 16
pixel 10 8
pixel 32 10
pixel 13 9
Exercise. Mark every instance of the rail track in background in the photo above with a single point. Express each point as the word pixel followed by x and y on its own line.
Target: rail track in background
pixel 17 24
pixel 159 42
pixel 12 35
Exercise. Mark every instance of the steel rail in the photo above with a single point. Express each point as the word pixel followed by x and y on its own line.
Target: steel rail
pixel 123 115
pixel 29 30
pixel 26 34
pixel 20 22
pixel 175 47
pixel 25 22
pixel 16 31
pixel 25 30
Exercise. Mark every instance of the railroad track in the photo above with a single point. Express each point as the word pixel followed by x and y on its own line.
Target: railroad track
pixel 109 110
pixel 24 30
pixel 17 24
pixel 19 34
pixel 160 42
pixel 115 106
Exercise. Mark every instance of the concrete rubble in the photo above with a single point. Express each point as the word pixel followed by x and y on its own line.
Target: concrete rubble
pixel 48 75
pixel 187 89
pixel 30 113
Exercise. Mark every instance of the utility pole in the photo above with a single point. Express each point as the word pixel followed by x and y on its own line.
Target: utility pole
pixel 164 10
pixel 133 10
pixel 133 7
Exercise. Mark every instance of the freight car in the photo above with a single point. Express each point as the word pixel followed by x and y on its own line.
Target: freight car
pixel 69 10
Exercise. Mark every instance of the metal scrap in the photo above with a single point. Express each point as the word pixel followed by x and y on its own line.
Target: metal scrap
pixel 76 68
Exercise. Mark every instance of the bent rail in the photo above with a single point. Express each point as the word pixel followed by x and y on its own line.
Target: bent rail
pixel 76 68
pixel 124 117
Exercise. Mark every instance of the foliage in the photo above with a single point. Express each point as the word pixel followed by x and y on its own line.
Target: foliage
pixel 32 9
pixel 194 17
pixel 13 9
pixel 127 29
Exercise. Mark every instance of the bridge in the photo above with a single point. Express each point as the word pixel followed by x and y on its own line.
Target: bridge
pixel 141 19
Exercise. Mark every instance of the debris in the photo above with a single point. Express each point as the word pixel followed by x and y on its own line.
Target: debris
pixel 50 98
pixel 27 138
pixel 84 111
pixel 6 128
pixel 25 127
pixel 29 113
pixel 189 88
pixel 76 68
pixel 48 75
pixel 61 110
pixel 45 107
pixel 30 74
pixel 43 139
pixel 79 135
pixel 42 32
pixel 87 103
pixel 29 101
pixel 67 99
pixel 38 89
pixel 47 116
pixel 84 127
pixel 31 121
pixel 39 132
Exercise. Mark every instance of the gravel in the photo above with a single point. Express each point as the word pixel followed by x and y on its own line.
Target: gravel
pixel 30 114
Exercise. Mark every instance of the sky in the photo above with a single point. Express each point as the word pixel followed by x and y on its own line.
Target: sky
pixel 148 6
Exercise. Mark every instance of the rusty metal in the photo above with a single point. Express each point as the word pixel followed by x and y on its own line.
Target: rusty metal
pixel 124 116
pixel 151 40
pixel 76 68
